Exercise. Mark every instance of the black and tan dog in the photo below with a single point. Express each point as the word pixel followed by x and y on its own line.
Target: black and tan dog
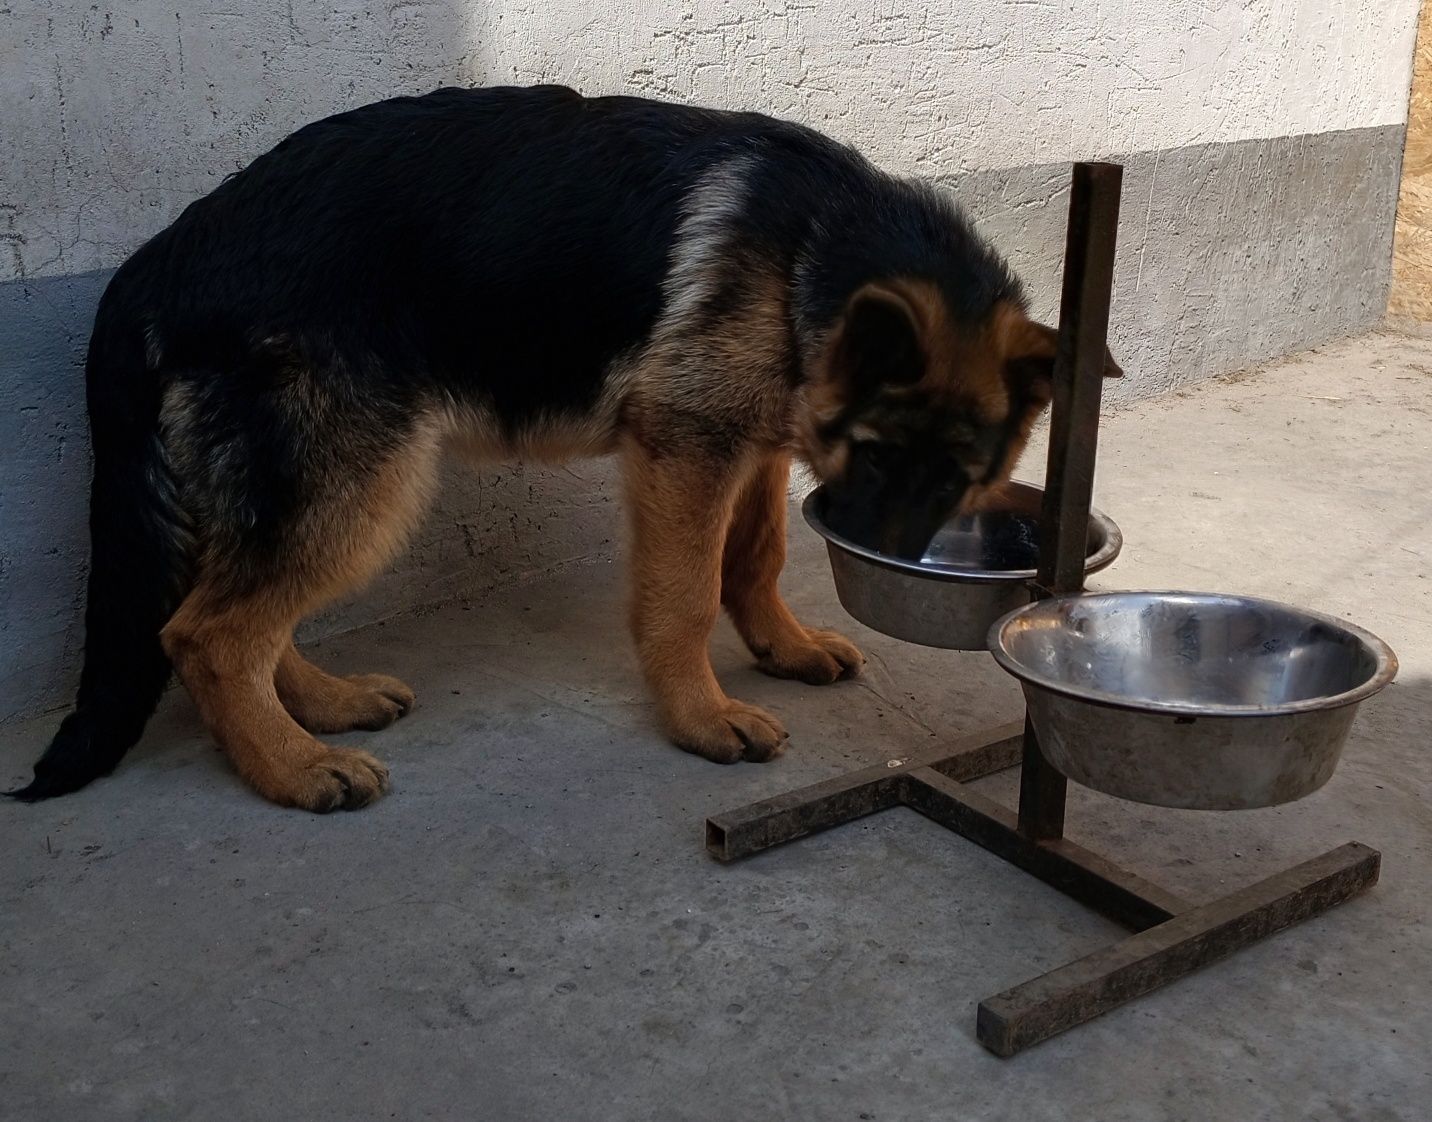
pixel 520 273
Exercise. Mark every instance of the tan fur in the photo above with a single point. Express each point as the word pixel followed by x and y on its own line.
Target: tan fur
pixel 476 436
pixel 708 530
pixel 680 507
pixel 322 703
pixel 685 498
pixel 736 374
pixel 227 647
pixel 1017 337
pixel 962 368
pixel 226 655
pixel 1023 344
pixel 965 366
pixel 988 371
pixel 752 559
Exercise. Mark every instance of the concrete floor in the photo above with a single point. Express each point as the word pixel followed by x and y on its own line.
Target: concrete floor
pixel 528 927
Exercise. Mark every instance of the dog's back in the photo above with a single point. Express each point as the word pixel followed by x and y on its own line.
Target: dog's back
pixel 505 242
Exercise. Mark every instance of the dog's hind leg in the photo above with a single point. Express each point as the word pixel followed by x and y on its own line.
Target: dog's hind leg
pixel 231 640
pixel 226 650
pixel 321 702
pixel 751 566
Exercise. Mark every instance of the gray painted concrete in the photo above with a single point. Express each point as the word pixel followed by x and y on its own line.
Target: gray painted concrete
pixel 1229 254
pixel 528 928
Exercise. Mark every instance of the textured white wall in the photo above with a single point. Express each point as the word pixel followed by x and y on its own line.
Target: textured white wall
pixel 116 114
pixel 993 83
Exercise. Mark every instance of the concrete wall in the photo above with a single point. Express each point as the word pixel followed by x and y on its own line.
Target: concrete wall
pixel 1262 143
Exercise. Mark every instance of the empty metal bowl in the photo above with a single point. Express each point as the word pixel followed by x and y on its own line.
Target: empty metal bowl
pixel 1186 699
pixel 975 570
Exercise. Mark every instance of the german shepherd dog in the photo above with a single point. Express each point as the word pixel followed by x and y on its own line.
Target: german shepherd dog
pixel 520 273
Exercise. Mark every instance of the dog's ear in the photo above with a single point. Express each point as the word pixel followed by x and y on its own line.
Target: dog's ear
pixel 1029 349
pixel 880 341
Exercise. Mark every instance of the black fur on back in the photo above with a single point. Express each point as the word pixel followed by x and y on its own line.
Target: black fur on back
pixel 506 244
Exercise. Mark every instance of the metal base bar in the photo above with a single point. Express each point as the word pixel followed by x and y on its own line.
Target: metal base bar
pixel 1106 979
pixel 1174 936
pixel 1116 893
pixel 740 833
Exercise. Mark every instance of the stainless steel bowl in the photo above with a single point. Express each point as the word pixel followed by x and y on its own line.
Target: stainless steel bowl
pixel 1188 699
pixel 976 569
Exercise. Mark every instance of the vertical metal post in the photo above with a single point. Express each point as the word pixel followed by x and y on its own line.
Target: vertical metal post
pixel 1073 442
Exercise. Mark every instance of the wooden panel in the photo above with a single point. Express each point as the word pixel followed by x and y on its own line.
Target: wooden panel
pixel 1411 295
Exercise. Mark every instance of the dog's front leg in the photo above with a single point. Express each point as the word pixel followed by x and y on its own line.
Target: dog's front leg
pixel 755 553
pixel 681 505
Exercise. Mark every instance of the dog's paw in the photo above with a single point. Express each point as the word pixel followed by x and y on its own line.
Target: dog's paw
pixel 338 779
pixel 823 657
pixel 360 701
pixel 381 700
pixel 730 732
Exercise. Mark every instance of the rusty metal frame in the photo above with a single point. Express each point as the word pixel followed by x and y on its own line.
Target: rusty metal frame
pixel 1173 937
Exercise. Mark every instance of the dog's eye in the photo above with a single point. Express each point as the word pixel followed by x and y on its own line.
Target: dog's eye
pixel 877 457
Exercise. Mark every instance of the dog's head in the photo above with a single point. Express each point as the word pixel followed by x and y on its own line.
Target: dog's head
pixel 913 414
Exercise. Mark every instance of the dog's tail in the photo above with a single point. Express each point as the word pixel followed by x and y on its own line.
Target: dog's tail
pixel 140 548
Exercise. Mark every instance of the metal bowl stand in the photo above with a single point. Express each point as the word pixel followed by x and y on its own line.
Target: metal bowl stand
pixel 1172 936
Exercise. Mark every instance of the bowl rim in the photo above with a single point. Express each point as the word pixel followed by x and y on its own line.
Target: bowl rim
pixel 1100 559
pixel 1384 671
